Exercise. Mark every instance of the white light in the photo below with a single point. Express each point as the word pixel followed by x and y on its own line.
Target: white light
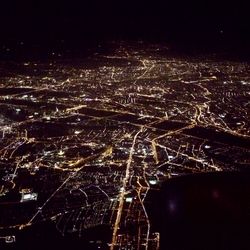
pixel 129 199
pixel 153 182
pixel 60 152
pixel 244 82
pixel 29 197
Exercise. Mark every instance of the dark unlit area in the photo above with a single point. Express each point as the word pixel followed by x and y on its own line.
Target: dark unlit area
pixel 205 211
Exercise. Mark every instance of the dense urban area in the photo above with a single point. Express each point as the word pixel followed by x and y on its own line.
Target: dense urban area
pixel 84 143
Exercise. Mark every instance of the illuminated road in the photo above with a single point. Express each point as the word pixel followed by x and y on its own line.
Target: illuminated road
pixel 123 192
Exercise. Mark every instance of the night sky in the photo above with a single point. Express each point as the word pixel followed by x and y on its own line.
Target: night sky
pixel 185 24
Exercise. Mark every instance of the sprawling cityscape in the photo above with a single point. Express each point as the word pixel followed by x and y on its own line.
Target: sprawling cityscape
pixel 84 144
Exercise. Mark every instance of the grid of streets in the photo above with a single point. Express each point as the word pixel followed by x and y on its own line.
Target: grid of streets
pixel 83 143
